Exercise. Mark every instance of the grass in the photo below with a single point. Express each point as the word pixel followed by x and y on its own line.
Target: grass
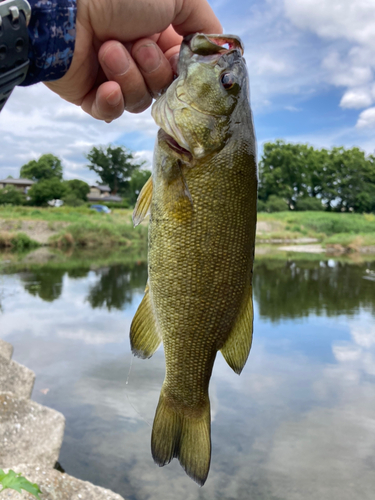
pixel 83 227
pixel 86 228
pixel 348 230
pixel 90 234
pixel 18 242
pixel 64 214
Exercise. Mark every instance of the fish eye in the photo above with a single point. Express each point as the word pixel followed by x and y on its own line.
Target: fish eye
pixel 228 81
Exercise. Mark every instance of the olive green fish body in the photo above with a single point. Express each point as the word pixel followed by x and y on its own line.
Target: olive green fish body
pixel 201 246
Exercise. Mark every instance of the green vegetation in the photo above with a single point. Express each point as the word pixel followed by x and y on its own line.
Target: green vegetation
pixel 47 167
pixel 11 196
pixel 342 179
pixel 45 190
pixel 349 230
pixel 108 233
pixel 115 166
pixel 14 481
pixel 18 242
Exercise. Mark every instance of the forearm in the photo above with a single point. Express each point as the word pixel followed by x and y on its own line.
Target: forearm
pixel 52 38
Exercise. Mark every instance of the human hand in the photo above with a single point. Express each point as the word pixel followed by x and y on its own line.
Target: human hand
pixel 125 51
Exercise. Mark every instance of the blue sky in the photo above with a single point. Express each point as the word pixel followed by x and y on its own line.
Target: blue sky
pixel 311 66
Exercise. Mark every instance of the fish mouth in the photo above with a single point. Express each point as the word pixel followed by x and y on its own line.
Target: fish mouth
pixel 206 45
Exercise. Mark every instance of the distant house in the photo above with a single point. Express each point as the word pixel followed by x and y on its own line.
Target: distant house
pixel 102 194
pixel 22 185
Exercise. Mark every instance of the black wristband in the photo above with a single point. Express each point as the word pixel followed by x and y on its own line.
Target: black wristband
pixel 14 45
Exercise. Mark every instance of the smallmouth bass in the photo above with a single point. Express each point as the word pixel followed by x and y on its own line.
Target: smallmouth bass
pixel 202 203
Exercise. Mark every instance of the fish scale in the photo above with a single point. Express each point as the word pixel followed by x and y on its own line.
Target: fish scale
pixel 202 202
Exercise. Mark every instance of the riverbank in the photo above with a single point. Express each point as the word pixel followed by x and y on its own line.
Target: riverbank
pixel 68 227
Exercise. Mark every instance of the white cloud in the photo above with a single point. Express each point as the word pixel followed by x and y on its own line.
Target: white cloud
pixel 366 119
pixel 350 28
pixel 335 19
pixel 356 98
pixel 269 64
pixel 36 121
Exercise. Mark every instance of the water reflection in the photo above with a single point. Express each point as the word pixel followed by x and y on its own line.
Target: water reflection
pixel 116 285
pixel 298 423
pixel 290 289
pixel 44 283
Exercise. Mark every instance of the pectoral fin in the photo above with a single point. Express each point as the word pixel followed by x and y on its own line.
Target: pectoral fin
pixel 142 207
pixel 144 337
pixel 237 347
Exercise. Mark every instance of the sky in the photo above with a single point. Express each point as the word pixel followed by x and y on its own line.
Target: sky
pixel 312 79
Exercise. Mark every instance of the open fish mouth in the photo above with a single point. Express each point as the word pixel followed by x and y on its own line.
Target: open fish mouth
pixel 206 45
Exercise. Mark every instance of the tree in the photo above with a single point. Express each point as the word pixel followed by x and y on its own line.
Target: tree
pixel 353 184
pixel 284 171
pixel 12 196
pixel 47 167
pixel 77 187
pixel 114 166
pixel 342 179
pixel 46 190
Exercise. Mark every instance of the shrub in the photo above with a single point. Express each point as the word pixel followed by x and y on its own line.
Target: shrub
pixel 261 206
pixel 309 204
pixel 11 196
pixel 72 200
pixel 276 204
pixel 46 190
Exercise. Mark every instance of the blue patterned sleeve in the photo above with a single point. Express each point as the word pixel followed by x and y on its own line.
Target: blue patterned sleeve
pixel 52 36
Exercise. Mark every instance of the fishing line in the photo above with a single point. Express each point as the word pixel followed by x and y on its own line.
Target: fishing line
pixel 127 395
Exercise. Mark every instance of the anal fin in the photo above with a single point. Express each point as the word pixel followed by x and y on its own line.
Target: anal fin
pixel 237 347
pixel 144 337
pixel 142 206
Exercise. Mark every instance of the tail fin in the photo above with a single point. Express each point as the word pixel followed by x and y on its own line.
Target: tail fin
pixel 187 438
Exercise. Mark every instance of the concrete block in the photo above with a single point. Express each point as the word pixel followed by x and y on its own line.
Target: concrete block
pixel 29 432
pixel 16 378
pixel 6 350
pixel 58 486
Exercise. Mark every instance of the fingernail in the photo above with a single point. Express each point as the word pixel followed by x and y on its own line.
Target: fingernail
pixel 148 58
pixel 116 59
pixel 114 98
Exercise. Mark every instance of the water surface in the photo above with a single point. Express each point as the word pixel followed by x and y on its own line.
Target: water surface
pixel 298 423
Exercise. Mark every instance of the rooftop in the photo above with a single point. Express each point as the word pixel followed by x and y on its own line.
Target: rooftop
pixel 27 182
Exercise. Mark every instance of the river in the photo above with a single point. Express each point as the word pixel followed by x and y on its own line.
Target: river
pixel 299 423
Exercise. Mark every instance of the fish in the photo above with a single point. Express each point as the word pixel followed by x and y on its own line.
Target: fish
pixel 201 199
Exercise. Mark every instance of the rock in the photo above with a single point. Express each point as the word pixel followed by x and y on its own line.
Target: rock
pixel 6 350
pixel 29 432
pixel 57 486
pixel 16 378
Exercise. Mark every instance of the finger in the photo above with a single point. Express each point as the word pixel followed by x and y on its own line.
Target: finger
pixel 120 67
pixel 196 16
pixel 154 66
pixel 105 102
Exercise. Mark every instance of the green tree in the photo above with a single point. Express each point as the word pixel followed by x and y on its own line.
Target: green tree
pixel 284 171
pixel 77 187
pixel 136 183
pixel 46 190
pixel 352 180
pixel 114 165
pixel 47 167
pixel 12 196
